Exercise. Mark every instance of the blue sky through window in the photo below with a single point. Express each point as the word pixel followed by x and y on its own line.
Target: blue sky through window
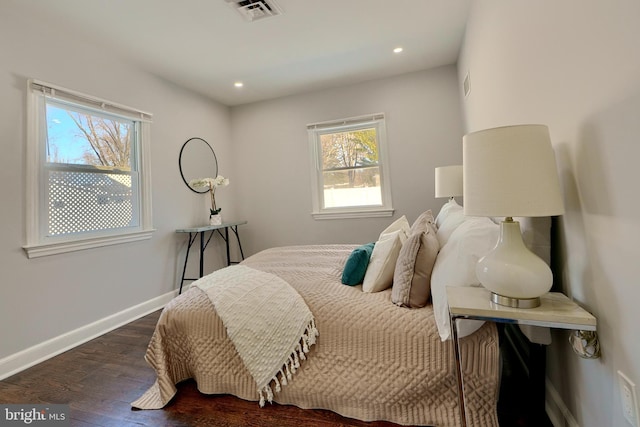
pixel 65 144
pixel 68 143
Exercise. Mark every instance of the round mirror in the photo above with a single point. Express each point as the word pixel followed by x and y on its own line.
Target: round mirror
pixel 197 160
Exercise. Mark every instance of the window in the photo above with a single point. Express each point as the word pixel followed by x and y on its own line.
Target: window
pixel 350 172
pixel 88 181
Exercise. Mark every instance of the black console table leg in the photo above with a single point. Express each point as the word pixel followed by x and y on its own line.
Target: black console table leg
pixel 235 231
pixel 226 239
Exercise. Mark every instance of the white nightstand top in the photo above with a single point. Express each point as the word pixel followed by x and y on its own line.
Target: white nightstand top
pixel 555 311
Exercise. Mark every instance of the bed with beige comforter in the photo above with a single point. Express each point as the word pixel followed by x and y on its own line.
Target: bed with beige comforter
pixel 372 360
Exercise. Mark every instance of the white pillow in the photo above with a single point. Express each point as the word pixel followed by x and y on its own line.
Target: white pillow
pixel 449 225
pixel 379 274
pixel 446 209
pixel 401 224
pixel 456 266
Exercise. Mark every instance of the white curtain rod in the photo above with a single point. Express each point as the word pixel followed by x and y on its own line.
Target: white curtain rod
pixel 348 121
pixel 62 93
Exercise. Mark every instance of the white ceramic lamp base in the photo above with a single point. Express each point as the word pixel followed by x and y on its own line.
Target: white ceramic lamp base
pixel 516 276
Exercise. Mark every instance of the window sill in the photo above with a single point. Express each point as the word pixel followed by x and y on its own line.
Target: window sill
pixel 346 214
pixel 45 249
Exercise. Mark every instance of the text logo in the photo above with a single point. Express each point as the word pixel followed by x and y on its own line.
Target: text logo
pixel 34 415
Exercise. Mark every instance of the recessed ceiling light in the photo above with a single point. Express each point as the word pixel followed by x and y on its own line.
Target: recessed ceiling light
pixel 397 50
pixel 238 84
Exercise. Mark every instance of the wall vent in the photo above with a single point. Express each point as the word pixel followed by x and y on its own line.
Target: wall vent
pixel 253 10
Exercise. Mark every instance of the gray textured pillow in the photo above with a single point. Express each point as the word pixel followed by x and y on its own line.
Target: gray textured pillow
pixel 422 222
pixel 412 275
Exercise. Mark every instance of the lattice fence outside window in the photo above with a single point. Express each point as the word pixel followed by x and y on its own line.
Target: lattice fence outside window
pixel 80 202
pixel 88 178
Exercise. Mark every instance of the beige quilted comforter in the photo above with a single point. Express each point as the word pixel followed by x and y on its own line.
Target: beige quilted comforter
pixel 372 361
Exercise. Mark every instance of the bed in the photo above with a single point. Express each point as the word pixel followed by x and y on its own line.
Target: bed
pixel 379 355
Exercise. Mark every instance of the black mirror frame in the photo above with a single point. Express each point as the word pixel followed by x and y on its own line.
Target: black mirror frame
pixel 215 158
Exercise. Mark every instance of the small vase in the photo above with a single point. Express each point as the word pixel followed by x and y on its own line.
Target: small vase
pixel 215 219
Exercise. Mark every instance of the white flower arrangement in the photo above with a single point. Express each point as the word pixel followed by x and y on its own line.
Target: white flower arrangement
pixel 211 184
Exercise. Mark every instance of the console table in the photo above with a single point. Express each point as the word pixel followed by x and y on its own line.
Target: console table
pixel 202 231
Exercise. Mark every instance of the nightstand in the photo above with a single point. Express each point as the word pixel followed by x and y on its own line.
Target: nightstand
pixel 555 311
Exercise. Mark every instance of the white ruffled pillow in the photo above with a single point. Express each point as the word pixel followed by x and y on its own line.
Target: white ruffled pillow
pixel 446 209
pixel 451 216
pixel 456 266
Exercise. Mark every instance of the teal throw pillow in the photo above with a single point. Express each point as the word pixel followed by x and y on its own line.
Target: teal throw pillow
pixel 356 265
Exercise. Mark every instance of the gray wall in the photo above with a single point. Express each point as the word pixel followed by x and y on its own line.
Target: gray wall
pixel 57 301
pixel 271 151
pixel 574 65
pixel 46 297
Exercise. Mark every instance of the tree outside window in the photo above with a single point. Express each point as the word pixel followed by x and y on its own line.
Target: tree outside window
pixel 350 168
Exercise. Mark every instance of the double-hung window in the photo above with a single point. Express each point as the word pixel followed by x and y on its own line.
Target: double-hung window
pixel 88 181
pixel 350 168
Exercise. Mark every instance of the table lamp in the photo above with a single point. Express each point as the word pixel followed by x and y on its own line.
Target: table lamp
pixel 448 181
pixel 511 171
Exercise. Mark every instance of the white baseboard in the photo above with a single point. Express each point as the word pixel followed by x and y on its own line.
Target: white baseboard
pixel 557 411
pixel 24 359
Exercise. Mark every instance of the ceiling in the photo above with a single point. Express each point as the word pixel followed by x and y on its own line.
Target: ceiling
pixel 206 45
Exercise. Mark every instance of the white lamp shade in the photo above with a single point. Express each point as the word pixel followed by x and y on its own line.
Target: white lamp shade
pixel 449 181
pixel 510 171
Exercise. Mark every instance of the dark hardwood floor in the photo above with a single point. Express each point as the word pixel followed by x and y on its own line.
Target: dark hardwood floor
pixel 100 379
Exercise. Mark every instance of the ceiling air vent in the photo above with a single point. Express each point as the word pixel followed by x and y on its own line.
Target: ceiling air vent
pixel 253 10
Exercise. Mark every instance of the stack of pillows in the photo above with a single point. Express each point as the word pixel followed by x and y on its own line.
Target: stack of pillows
pixel 402 258
pixel 420 260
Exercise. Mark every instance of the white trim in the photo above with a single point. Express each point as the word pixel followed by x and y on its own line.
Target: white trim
pixel 363 213
pixel 24 359
pixel 32 169
pixel 38 245
pixel 144 169
pixel 89 101
pixel 341 123
pixel 314 131
pixel 557 411
pixel 38 250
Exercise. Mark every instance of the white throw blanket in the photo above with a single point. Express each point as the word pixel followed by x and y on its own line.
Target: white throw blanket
pixel 268 322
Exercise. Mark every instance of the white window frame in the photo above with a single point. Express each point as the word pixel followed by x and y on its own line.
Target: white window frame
pixel 314 131
pixel 38 244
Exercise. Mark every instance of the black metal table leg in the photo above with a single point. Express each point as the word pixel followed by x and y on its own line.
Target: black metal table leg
pixel 192 238
pixel 202 246
pixel 193 235
pixel 226 239
pixel 235 231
